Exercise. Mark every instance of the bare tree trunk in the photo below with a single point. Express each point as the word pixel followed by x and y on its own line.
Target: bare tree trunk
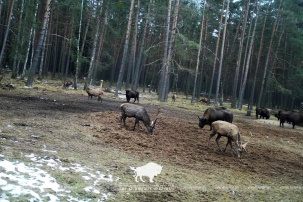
pixel 203 59
pixel 163 96
pixel 242 89
pixel 30 79
pixel 251 100
pixel 16 56
pixel 27 53
pixel 199 53
pixel 125 50
pixel 268 55
pixel 117 50
pixel 94 51
pixel 78 50
pixel 101 42
pixel 216 55
pixel 236 79
pixel 68 58
pixel 222 54
pixel 30 38
pixel 43 52
pixel 132 57
pixel 55 50
pixel 246 51
pixel 162 73
pixel 138 64
pixel 6 32
pixel 272 67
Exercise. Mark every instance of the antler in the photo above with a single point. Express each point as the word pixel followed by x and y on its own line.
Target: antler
pixel 158 111
pixel 243 146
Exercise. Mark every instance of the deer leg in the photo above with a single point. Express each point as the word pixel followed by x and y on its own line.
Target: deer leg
pixel 123 118
pixel 211 135
pixel 228 142
pixel 217 140
pixel 231 146
pixel 136 122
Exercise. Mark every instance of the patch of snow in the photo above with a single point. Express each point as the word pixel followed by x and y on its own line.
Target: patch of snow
pixel 50 151
pixel 86 177
pixel 2 182
pixel 91 189
pixel 19 179
pixel 22 179
pixel 63 168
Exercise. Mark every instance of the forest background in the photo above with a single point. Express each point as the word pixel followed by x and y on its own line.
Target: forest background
pixel 244 51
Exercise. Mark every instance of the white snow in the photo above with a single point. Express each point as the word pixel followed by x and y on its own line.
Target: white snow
pixel 18 179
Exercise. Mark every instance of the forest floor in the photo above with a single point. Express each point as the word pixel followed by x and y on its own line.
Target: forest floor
pixel 56 145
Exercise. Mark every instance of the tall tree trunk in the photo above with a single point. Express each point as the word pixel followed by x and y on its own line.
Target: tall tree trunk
pixel 6 32
pixel 242 89
pixel 236 79
pixel 43 52
pixel 68 58
pixel 16 56
pixel 272 67
pixel 94 51
pixel 138 64
pixel 117 50
pixel 216 55
pixel 55 50
pixel 30 38
pixel 198 56
pixel 222 54
pixel 251 100
pixel 246 51
pixel 167 69
pixel 203 60
pixel 167 31
pixel 125 50
pixel 78 50
pixel 101 41
pixel 30 79
pixel 27 54
pixel 132 57
pixel 268 55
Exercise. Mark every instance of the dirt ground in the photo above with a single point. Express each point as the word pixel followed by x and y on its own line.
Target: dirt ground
pixel 89 133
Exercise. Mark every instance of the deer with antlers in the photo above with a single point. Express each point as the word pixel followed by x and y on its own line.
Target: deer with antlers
pixel 231 131
pixel 139 113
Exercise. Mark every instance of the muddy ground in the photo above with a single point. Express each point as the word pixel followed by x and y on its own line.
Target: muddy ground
pixel 89 133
